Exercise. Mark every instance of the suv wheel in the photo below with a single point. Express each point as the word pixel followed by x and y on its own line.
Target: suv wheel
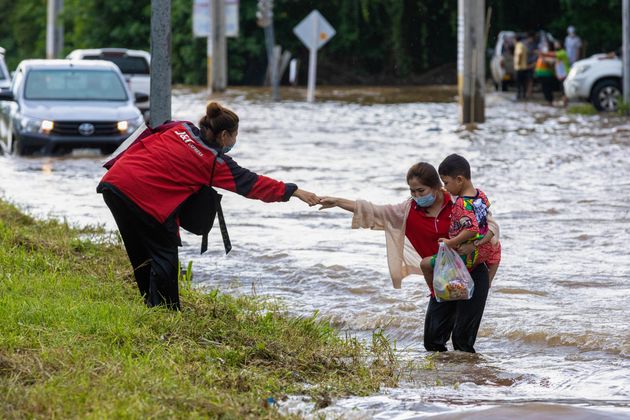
pixel 606 95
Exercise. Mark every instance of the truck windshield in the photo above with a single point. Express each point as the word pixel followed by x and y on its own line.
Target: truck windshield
pixel 74 85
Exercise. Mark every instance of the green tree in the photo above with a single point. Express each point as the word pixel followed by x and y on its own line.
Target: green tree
pixel 377 41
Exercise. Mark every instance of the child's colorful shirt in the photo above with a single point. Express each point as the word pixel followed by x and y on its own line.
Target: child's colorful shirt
pixel 470 213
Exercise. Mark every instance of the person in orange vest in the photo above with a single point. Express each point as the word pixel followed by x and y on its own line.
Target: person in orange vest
pixel 544 72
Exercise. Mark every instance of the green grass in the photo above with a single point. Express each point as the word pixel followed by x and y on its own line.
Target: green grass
pixel 582 109
pixel 624 109
pixel 77 341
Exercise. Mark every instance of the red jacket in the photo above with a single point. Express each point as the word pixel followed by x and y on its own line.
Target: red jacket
pixel 160 171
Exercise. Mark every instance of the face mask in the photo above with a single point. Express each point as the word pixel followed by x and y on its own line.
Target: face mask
pixel 425 200
pixel 226 149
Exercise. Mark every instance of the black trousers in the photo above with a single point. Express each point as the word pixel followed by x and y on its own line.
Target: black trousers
pixel 152 250
pixel 547 83
pixel 460 318
pixel 522 76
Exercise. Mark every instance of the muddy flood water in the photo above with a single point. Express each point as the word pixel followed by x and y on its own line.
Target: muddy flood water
pixel 555 338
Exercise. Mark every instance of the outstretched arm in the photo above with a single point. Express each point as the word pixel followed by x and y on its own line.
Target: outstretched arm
pixel 232 177
pixel 367 215
pixel 343 203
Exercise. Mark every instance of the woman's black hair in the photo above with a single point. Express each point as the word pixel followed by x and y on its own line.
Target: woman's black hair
pixel 426 174
pixel 217 120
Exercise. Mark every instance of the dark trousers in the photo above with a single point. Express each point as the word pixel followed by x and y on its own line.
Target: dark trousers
pixel 522 77
pixel 460 318
pixel 547 83
pixel 152 251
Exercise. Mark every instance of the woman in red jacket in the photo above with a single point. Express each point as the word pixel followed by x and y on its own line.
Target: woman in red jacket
pixel 146 186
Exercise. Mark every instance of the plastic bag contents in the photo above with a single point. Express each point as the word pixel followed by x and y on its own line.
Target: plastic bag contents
pixel 451 279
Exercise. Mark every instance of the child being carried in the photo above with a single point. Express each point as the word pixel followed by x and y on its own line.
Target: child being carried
pixel 471 221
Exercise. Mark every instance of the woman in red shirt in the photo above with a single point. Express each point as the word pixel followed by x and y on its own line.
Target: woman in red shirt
pixel 412 229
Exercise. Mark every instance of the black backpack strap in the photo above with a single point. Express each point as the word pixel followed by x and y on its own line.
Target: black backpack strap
pixel 227 244
pixel 224 233
pixel 204 243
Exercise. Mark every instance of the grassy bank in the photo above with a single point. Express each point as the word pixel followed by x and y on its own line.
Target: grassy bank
pixel 76 340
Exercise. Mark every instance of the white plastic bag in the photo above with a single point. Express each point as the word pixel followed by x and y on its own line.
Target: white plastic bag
pixel 451 279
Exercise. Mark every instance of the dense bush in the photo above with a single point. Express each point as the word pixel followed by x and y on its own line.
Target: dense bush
pixel 377 41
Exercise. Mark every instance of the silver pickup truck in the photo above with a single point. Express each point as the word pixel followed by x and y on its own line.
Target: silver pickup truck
pixel 55 106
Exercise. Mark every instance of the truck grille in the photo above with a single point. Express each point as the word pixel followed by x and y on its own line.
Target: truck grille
pixel 71 128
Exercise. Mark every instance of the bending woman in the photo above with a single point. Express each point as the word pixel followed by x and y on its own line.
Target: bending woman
pixel 412 229
pixel 146 186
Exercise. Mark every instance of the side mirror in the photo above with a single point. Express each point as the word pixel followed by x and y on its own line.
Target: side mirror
pixel 141 97
pixel 6 95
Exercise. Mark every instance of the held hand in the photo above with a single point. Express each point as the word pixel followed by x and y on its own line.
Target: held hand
pixel 446 242
pixel 327 202
pixel 306 196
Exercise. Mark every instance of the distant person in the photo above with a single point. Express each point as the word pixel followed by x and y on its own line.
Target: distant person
pixel 412 230
pixel 469 220
pixel 521 65
pixel 147 185
pixel 561 68
pixel 573 45
pixel 532 56
pixel 544 72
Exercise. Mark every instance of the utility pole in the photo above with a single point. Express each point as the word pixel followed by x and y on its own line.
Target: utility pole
pixel 54 29
pixel 160 62
pixel 626 53
pixel 219 46
pixel 209 51
pixel 264 18
pixel 312 65
pixel 471 64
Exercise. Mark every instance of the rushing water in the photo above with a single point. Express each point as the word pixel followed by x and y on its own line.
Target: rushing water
pixel 555 338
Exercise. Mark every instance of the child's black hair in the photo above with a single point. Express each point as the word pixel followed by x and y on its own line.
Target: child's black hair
pixel 454 165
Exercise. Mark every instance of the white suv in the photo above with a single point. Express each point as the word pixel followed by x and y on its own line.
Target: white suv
pixel 135 65
pixel 502 61
pixel 596 79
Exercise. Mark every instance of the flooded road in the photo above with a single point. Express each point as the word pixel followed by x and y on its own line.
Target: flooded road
pixel 555 338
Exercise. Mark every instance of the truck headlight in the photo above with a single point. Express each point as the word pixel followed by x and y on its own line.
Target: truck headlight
pixel 47 126
pixel 35 125
pixel 123 126
pixel 129 126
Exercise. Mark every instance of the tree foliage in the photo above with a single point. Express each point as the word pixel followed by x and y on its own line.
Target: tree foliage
pixel 377 41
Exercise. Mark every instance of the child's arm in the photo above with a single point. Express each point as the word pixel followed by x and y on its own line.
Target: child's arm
pixel 462 237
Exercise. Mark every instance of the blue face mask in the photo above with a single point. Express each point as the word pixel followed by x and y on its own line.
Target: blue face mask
pixel 226 149
pixel 425 200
